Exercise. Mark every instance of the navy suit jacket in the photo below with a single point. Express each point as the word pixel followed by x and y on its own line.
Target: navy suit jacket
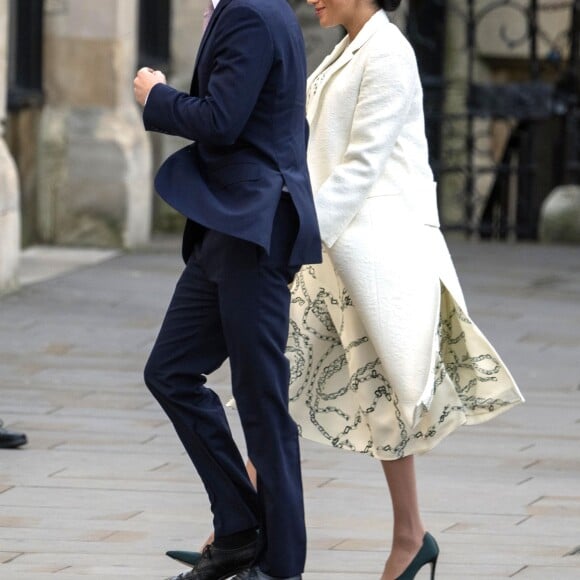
pixel 245 115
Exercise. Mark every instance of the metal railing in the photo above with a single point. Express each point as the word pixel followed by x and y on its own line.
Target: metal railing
pixel 500 183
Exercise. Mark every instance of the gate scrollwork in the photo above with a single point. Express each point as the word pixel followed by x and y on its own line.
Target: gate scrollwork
pixel 505 97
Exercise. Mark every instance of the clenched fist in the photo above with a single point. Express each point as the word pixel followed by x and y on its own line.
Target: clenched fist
pixel 145 80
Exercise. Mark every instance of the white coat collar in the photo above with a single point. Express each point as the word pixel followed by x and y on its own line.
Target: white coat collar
pixel 342 53
pixel 377 20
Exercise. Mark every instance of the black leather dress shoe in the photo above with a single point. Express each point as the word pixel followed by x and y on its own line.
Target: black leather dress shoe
pixel 219 564
pixel 256 574
pixel 189 558
pixel 11 439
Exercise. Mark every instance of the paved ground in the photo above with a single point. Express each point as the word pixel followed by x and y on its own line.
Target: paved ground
pixel 104 488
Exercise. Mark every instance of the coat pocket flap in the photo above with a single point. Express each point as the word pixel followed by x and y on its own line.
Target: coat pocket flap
pixel 235 173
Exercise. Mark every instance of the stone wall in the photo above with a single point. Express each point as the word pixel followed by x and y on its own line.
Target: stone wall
pixel 94 157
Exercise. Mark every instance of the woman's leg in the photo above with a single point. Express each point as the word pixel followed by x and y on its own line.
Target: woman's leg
pixel 252 473
pixel 253 478
pixel 408 530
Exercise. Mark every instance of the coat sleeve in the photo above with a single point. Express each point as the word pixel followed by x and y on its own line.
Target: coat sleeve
pixel 389 82
pixel 242 54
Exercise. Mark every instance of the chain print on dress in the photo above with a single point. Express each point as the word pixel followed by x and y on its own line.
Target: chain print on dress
pixel 339 393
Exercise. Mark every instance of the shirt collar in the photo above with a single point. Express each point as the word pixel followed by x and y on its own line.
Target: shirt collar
pixel 215 3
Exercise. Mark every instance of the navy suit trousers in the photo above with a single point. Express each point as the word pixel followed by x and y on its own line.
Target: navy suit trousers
pixel 232 301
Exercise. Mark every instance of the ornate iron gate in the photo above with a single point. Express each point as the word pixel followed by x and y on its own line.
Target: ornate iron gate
pixel 498 146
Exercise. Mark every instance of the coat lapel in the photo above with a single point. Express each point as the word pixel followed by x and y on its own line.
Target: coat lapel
pixel 340 56
pixel 335 54
pixel 220 7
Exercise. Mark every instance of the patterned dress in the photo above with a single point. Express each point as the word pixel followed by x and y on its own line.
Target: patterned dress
pixel 339 393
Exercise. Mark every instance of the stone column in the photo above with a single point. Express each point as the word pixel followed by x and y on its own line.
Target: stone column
pixel 94 157
pixel 9 188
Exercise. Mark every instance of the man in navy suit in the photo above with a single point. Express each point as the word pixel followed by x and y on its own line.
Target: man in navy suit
pixel 243 184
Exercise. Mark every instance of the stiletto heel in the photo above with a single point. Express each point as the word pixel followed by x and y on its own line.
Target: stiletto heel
pixel 433 566
pixel 427 554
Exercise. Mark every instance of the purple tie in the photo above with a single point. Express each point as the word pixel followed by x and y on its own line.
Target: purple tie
pixel 207 14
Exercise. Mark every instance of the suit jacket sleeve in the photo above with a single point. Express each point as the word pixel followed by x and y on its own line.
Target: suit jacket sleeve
pixel 389 82
pixel 242 55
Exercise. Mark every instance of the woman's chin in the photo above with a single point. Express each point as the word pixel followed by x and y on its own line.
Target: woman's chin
pixel 324 23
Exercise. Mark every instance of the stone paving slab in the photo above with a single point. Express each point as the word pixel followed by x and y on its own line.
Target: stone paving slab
pixel 40 263
pixel 104 488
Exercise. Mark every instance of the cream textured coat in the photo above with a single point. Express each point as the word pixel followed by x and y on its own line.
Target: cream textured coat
pixel 377 209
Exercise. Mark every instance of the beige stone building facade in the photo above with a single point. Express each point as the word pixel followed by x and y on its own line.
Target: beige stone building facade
pixel 94 160
pixel 76 165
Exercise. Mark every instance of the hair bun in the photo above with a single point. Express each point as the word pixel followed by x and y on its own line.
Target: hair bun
pixel 389 5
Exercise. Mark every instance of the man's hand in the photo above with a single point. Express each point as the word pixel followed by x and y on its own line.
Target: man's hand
pixel 145 80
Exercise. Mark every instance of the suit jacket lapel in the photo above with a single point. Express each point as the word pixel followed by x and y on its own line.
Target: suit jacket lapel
pixel 222 4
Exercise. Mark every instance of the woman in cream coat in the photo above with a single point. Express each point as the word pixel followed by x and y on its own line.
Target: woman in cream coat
pixel 384 357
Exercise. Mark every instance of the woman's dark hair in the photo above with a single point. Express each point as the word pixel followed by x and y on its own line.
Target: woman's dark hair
pixel 388 5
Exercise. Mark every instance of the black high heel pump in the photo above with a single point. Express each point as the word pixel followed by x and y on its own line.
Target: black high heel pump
pixel 427 554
